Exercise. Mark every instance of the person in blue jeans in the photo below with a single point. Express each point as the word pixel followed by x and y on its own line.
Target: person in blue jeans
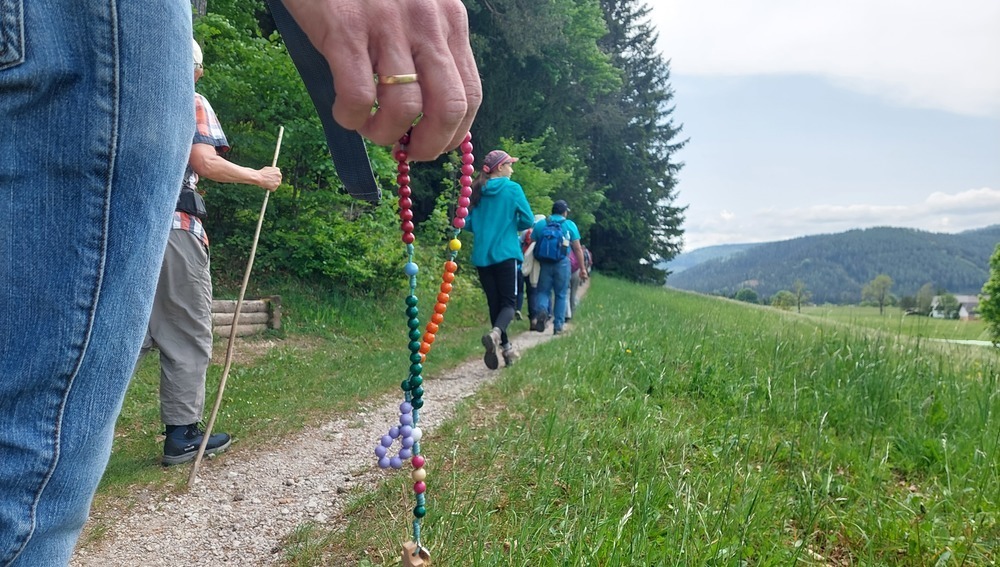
pixel 553 280
pixel 497 212
pixel 96 123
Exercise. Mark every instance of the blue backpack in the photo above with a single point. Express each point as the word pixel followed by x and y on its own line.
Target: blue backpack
pixel 550 242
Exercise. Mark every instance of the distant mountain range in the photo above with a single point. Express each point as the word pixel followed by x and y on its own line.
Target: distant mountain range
pixel 835 267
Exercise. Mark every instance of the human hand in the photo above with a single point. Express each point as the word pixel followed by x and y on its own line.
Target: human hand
pixel 361 38
pixel 270 177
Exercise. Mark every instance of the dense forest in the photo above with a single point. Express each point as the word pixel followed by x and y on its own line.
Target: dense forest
pixel 835 267
pixel 575 88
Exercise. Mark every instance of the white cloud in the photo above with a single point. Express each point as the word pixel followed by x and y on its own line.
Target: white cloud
pixel 919 53
pixel 939 212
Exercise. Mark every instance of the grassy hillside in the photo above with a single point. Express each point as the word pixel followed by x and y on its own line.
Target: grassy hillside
pixel 835 267
pixel 674 429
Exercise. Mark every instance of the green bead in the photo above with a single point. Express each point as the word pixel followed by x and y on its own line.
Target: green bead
pixel 413 323
pixel 416 380
pixel 417 403
pixel 416 368
pixel 405 385
pixel 416 334
pixel 416 356
pixel 418 392
pixel 419 511
pixel 414 347
pixel 412 311
pixel 411 300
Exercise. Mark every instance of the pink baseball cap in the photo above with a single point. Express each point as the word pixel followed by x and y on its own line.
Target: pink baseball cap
pixel 495 159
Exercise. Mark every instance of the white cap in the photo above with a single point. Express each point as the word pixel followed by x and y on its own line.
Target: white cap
pixel 198 57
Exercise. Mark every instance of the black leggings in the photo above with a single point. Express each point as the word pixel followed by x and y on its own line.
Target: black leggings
pixel 500 284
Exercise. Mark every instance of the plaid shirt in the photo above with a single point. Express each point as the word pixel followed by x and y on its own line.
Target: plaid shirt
pixel 208 130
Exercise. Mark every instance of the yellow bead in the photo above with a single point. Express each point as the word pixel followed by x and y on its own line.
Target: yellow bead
pixel 455 244
pixel 419 474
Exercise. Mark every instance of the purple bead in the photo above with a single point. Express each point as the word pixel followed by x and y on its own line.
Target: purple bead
pixel 406 419
pixel 405 453
pixel 406 431
pixel 405 407
pixel 384 462
pixel 387 441
pixel 407 442
pixel 396 463
pixel 394 432
pixel 380 451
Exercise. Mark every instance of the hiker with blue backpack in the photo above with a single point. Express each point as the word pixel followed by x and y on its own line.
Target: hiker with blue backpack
pixel 554 237
pixel 498 210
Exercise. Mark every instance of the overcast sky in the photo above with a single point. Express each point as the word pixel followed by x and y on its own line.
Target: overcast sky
pixel 810 117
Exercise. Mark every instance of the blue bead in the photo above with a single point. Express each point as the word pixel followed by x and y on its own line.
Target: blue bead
pixel 387 441
pixel 407 442
pixel 380 451
pixel 396 463
pixel 405 407
pixel 405 431
pixel 410 269
pixel 384 462
pixel 406 419
pixel 405 453
pixel 394 431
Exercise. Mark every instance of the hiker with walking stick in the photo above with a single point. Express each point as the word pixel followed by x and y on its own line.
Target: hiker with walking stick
pixel 181 321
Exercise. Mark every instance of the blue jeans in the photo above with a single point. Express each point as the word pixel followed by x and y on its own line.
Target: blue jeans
pixel 553 279
pixel 96 123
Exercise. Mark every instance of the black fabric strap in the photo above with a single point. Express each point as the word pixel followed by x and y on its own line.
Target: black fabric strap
pixel 346 146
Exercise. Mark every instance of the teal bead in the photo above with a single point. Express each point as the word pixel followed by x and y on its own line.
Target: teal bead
pixel 406 385
pixel 416 356
pixel 418 392
pixel 413 323
pixel 411 300
pixel 412 311
pixel 414 348
pixel 419 511
pixel 416 368
pixel 417 403
pixel 416 380
pixel 416 334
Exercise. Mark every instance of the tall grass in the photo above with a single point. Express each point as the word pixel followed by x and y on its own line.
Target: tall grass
pixel 675 429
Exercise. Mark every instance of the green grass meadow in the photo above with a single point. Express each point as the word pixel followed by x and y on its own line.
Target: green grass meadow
pixel 894 321
pixel 666 428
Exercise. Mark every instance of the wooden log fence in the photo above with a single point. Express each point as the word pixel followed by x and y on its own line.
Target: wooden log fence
pixel 256 315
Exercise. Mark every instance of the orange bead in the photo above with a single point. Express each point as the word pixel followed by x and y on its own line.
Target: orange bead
pixel 443 297
pixel 429 338
pixel 437 318
pixel 450 266
pixel 446 287
pixel 424 349
pixel 423 355
pixel 432 328
pixel 448 277
pixel 440 308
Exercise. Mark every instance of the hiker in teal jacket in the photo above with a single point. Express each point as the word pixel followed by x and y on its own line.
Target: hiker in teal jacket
pixel 498 211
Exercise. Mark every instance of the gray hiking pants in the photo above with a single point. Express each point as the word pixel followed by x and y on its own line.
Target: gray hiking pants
pixel 181 328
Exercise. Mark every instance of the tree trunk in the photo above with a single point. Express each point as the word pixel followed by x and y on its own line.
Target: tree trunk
pixel 200 6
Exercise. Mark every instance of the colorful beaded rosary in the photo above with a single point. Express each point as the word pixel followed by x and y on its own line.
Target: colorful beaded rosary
pixel 408 430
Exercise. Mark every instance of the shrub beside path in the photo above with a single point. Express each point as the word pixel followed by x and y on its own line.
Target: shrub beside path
pixel 245 503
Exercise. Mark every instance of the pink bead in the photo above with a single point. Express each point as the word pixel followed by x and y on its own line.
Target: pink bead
pixel 402 179
pixel 405 203
pixel 466 191
pixel 468 158
pixel 468 137
pixel 401 156
pixel 418 461
pixel 467 169
pixel 419 487
pixel 466 148
pixel 464 202
pixel 404 139
pixel 406 226
pixel 403 168
pixel 407 238
pixel 458 223
pixel 406 214
pixel 462 212
pixel 404 191
pixel 465 181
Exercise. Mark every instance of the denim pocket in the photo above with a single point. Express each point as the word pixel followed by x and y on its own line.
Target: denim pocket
pixel 11 33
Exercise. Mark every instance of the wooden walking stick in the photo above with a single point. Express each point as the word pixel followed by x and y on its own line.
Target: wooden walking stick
pixel 236 320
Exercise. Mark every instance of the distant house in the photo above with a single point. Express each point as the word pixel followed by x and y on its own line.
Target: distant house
pixel 968 307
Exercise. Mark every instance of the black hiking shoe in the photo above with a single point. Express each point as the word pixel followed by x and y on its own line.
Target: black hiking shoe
pixel 182 442
pixel 539 323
